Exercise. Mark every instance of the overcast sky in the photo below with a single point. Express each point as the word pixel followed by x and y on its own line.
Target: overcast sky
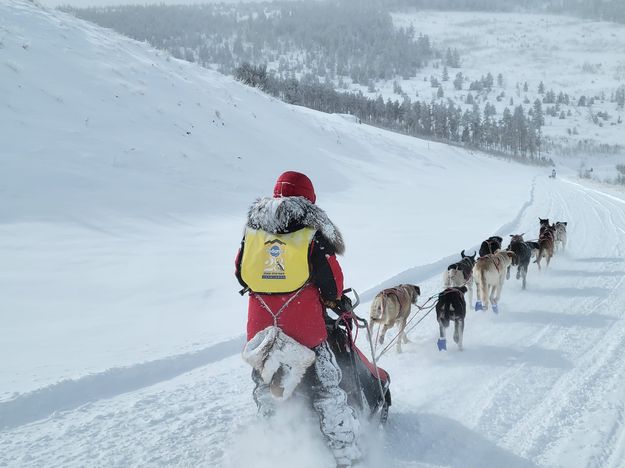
pixel 88 3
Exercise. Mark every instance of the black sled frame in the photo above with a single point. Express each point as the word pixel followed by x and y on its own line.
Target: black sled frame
pixel 366 384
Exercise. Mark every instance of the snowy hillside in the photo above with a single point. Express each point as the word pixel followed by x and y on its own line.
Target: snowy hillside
pixel 125 176
pixel 567 54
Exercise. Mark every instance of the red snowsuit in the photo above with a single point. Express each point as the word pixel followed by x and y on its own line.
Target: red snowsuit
pixel 303 318
pixel 292 209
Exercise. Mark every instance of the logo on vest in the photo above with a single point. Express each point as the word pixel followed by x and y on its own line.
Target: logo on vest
pixel 274 264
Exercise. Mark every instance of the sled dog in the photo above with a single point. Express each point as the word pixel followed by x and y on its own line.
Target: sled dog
pixel 523 255
pixel 392 306
pixel 451 306
pixel 490 245
pixel 460 274
pixel 560 234
pixel 489 273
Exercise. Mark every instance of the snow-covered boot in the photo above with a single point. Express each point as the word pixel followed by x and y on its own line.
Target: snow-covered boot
pixel 338 421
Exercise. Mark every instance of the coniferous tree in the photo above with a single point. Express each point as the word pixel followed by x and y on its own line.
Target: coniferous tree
pixel 537 114
pixel 619 96
pixel 456 59
pixel 449 58
pixel 489 81
pixel 458 81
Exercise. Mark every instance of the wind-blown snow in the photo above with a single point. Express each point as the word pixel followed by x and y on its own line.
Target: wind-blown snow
pixel 125 179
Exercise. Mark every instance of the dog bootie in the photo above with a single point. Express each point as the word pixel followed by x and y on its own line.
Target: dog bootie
pixel 478 306
pixel 442 344
pixel 495 308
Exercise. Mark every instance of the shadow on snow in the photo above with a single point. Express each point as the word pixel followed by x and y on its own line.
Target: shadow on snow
pixel 440 441
pixel 70 394
pixel 563 320
pixel 534 356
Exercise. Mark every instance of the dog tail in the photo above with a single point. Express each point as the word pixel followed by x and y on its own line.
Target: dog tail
pixel 539 255
pixel 483 285
pixel 375 309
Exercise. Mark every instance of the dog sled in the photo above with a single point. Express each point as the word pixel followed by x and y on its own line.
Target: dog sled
pixel 366 384
pixel 285 365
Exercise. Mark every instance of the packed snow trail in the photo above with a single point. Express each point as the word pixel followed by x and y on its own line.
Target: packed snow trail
pixel 540 384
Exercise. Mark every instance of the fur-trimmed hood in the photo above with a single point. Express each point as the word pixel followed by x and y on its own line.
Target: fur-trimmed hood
pixel 279 215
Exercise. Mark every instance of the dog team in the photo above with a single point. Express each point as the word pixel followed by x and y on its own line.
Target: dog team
pixel 488 272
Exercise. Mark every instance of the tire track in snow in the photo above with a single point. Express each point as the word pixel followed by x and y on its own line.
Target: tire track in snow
pixel 70 394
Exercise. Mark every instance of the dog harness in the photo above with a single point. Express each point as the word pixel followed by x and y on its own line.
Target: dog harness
pixel 492 258
pixel 398 293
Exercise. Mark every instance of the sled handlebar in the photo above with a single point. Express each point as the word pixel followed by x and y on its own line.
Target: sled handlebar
pixel 356 300
pixel 360 322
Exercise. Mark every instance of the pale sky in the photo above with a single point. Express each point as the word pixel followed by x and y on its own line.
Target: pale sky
pixel 89 3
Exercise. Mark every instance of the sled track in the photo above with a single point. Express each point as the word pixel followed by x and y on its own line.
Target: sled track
pixel 572 396
pixel 424 272
pixel 70 394
pixel 537 386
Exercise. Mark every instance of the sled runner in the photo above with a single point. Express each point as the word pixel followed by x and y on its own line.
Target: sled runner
pixel 366 384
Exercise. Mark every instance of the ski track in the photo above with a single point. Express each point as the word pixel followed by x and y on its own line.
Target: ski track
pixel 540 384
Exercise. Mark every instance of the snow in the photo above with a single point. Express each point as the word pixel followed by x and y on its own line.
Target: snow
pixel 121 327
pixel 568 54
pixel 101 3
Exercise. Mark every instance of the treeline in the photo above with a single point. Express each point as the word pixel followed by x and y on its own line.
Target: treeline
pixel 329 38
pixel 609 10
pixel 516 133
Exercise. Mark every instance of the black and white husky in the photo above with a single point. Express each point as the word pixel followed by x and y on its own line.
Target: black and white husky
pixel 451 306
pixel 523 255
pixel 460 274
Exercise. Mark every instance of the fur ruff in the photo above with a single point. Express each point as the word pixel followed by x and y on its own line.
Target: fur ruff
pixel 275 215
pixel 280 360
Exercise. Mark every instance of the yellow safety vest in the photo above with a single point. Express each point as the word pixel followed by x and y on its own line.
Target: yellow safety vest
pixel 276 263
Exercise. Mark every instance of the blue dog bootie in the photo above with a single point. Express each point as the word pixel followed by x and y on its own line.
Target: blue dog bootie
pixel 478 306
pixel 442 344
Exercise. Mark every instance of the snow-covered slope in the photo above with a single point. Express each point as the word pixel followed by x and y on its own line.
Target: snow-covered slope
pixel 574 56
pixel 125 177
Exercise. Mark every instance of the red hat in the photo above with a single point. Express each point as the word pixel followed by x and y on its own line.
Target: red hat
pixel 294 184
